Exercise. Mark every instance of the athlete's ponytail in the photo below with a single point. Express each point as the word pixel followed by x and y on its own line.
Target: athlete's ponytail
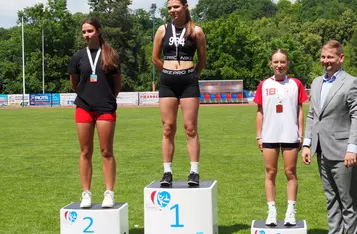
pixel 190 26
pixel 110 57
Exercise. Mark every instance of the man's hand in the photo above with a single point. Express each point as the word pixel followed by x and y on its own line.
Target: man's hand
pixel 350 159
pixel 306 155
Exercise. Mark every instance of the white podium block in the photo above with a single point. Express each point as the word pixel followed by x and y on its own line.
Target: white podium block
pixel 96 219
pixel 259 227
pixel 181 209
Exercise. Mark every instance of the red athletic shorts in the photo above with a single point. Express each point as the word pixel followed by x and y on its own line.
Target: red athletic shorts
pixel 83 116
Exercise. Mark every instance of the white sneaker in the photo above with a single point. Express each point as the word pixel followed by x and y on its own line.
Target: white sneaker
pixel 86 201
pixel 108 201
pixel 290 219
pixel 271 219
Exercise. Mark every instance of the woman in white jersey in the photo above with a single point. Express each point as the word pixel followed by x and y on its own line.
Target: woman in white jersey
pixel 279 125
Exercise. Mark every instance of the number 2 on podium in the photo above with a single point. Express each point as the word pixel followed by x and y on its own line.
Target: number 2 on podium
pixel 177 213
pixel 90 224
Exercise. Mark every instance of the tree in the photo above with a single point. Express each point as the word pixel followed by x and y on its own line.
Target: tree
pixel 143 28
pixel 208 10
pixel 350 63
pixel 164 13
pixel 346 25
pixel 320 9
pixel 10 61
pixel 118 31
pixel 240 35
pixel 59 31
pixel 287 9
pixel 230 51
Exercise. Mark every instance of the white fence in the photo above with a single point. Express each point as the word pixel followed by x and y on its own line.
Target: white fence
pixel 67 99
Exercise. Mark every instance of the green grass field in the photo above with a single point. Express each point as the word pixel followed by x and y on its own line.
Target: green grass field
pixel 39 154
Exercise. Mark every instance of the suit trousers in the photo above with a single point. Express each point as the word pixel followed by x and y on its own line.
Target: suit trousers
pixel 340 188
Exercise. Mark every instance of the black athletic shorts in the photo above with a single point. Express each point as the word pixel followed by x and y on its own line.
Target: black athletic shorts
pixel 282 145
pixel 179 83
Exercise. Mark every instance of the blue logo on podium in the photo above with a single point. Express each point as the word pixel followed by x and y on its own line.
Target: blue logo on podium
pixel 71 216
pixel 163 198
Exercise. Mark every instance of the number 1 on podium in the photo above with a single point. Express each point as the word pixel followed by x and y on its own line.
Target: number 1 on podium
pixel 177 213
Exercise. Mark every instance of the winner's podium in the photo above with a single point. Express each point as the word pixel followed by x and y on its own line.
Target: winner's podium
pixel 181 209
pixel 259 227
pixel 98 220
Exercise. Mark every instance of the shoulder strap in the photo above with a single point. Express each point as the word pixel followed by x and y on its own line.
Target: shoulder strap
pixel 166 29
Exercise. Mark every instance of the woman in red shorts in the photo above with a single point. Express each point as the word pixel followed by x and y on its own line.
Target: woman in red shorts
pixel 95 77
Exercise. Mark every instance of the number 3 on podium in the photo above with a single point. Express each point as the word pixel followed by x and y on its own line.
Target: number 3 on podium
pixel 177 213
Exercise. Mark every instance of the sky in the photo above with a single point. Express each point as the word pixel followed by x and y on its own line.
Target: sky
pixel 9 8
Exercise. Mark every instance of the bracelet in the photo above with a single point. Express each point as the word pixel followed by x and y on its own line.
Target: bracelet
pixel 258 138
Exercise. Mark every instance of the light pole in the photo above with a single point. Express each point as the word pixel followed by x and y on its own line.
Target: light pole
pixel 23 61
pixel 153 10
pixel 43 61
pixel 44 4
pixel 43 48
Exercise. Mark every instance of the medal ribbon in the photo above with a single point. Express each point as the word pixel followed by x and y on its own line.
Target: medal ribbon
pixel 93 65
pixel 175 38
pixel 279 89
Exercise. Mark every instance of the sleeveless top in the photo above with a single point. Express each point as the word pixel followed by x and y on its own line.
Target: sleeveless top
pixel 186 47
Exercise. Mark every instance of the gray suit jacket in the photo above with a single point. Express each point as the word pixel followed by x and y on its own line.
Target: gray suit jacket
pixel 334 125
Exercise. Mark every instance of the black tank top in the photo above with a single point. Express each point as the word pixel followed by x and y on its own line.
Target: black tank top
pixel 186 49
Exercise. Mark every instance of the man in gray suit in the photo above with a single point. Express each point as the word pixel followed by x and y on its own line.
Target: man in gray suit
pixel 331 132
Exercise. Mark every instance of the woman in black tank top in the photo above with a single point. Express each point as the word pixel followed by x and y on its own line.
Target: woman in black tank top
pixel 178 41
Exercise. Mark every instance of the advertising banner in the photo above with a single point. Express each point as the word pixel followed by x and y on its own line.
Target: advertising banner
pixel 18 99
pixel 67 99
pixel 148 98
pixel 221 91
pixel 56 99
pixel 248 95
pixel 3 99
pixel 128 98
pixel 45 99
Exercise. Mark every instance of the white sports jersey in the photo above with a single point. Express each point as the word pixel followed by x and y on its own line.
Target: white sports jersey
pixel 280 127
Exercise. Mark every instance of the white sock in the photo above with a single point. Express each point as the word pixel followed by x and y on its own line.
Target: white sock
pixel 167 167
pixel 194 167
pixel 271 205
pixel 291 205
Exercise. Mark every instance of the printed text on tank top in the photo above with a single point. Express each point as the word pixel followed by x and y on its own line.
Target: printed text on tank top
pixel 180 40
pixel 176 47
